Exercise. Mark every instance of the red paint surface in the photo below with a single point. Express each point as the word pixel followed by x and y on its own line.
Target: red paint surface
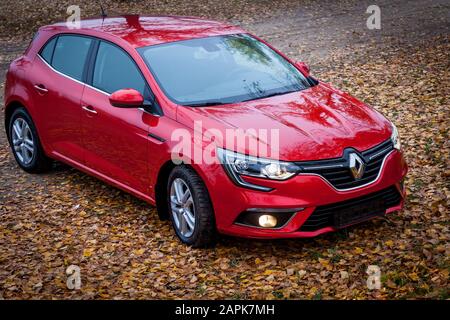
pixel 126 97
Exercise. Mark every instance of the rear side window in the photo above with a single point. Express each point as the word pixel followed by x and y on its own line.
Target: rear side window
pixel 47 51
pixel 114 69
pixel 70 55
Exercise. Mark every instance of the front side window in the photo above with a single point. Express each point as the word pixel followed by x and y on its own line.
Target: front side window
pixel 221 69
pixel 114 70
pixel 70 55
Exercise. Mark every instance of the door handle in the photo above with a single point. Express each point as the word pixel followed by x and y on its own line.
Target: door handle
pixel 41 88
pixel 89 109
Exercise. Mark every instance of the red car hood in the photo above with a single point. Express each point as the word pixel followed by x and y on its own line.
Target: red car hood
pixel 317 123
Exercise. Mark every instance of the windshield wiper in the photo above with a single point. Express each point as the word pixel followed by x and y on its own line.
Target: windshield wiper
pixel 218 102
pixel 279 93
pixel 206 104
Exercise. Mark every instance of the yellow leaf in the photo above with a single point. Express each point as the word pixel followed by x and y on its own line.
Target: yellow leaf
pixel 358 250
pixel 258 261
pixel 389 243
pixel 87 253
pixel 324 262
pixel 139 252
pixel 413 276
pixel 268 272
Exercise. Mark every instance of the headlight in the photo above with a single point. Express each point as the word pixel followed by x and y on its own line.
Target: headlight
pixel 395 138
pixel 237 165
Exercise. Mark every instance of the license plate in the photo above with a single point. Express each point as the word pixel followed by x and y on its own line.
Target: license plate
pixel 358 213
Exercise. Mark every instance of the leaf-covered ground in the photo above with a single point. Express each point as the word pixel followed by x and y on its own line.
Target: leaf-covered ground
pixel 48 222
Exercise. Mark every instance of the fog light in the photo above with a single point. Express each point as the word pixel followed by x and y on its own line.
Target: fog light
pixel 267 221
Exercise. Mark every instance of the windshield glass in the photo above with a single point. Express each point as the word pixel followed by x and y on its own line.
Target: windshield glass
pixel 221 69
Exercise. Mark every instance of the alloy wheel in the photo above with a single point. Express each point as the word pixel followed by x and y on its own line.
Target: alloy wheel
pixel 182 207
pixel 22 140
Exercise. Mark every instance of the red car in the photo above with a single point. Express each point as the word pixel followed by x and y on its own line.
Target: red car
pixel 113 97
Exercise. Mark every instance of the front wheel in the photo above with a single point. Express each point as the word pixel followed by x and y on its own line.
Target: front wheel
pixel 191 211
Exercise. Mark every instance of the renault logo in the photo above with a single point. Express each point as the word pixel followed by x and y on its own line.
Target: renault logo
pixel 357 166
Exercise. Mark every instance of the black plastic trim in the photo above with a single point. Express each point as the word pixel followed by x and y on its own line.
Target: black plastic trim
pixel 154 136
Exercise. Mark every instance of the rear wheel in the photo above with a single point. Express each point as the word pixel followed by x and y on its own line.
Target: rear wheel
pixel 25 143
pixel 190 207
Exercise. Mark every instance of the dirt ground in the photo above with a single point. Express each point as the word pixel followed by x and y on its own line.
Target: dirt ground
pixel 64 217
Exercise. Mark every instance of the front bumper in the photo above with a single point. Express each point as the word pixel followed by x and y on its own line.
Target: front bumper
pixel 305 191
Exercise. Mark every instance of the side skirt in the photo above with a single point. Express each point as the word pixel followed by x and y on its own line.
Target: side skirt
pixel 100 176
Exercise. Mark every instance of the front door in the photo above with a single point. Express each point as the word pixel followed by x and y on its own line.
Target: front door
pixel 115 139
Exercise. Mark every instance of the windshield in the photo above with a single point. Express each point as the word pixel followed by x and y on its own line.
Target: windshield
pixel 221 69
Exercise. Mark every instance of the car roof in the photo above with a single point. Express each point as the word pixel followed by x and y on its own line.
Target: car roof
pixel 141 31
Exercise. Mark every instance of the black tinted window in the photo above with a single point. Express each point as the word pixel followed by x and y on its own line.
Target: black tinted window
pixel 115 70
pixel 47 51
pixel 70 55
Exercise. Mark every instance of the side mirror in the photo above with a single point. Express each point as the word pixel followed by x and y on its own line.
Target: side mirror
pixel 303 67
pixel 126 98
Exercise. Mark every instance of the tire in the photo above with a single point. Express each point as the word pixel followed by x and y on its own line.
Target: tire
pixel 33 159
pixel 204 233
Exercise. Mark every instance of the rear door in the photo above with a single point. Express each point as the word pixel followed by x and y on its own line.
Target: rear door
pixel 57 80
pixel 115 139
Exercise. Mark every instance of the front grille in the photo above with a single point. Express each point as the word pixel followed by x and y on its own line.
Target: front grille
pixel 337 172
pixel 353 210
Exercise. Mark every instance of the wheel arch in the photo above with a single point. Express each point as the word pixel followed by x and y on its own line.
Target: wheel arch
pixel 9 110
pixel 161 189
pixel 161 186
